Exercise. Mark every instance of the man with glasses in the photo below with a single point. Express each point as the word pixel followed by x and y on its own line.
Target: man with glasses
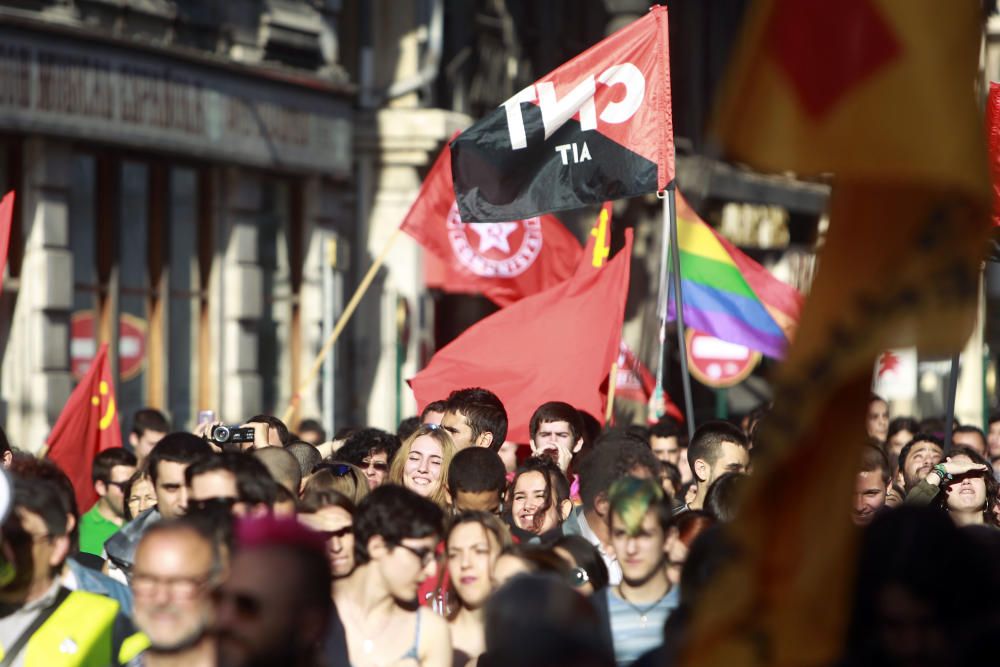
pixel 176 566
pixel 41 620
pixel 112 468
pixel 395 533
pixel 274 608
pixel 372 450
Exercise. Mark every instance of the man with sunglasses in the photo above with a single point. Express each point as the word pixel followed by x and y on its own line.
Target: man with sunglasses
pixel 235 480
pixel 176 566
pixel 395 533
pixel 274 608
pixel 112 468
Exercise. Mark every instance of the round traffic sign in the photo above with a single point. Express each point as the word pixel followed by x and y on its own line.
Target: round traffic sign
pixel 718 363
pixel 131 344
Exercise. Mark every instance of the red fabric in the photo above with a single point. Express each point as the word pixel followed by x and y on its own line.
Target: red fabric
pixel 557 345
pixel 6 215
pixel 87 426
pixel 504 261
pixel 993 141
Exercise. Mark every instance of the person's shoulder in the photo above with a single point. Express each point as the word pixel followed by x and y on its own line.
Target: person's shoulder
pixel 435 638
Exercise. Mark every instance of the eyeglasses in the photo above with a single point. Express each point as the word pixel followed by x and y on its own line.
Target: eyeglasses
pixel 120 485
pixel 183 588
pixel 206 504
pixel 578 577
pixel 425 555
pixel 246 606
pixel 381 466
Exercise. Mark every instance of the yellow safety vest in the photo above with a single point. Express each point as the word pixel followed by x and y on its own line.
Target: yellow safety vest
pixel 77 634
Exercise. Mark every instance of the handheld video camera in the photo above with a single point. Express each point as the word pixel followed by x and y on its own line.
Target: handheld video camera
pixel 226 435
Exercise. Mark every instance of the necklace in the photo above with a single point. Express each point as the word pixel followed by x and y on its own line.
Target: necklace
pixel 641 611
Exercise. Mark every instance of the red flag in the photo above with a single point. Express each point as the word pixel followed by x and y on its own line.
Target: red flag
pixel 87 426
pixel 505 261
pixel 6 215
pixel 597 128
pixel 557 345
pixel 993 142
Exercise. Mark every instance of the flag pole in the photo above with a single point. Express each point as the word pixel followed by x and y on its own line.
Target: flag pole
pixel 949 419
pixel 339 327
pixel 670 220
pixel 612 381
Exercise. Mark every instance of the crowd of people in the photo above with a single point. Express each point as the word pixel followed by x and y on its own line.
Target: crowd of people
pixel 445 544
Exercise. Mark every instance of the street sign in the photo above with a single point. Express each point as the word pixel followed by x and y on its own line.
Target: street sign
pixel 717 363
pixel 131 344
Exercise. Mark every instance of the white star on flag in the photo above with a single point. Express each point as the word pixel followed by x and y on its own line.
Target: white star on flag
pixel 494 235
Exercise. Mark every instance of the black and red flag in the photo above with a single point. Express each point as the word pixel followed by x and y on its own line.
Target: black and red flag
pixel 595 129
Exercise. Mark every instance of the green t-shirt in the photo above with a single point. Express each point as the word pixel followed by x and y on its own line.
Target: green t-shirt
pixel 94 531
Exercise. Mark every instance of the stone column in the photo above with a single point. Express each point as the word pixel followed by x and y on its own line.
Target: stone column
pixel 395 147
pixel 36 375
pixel 241 294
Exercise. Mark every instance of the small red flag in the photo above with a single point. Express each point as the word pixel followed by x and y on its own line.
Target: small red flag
pixel 993 143
pixel 6 216
pixel 556 345
pixel 505 261
pixel 87 426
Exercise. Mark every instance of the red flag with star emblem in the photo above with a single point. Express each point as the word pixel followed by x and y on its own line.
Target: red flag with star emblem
pixel 87 426
pixel 504 261
pixel 557 345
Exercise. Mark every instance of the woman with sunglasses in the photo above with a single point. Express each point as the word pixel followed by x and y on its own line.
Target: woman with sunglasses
pixel 588 573
pixel 332 514
pixel 473 543
pixel 343 478
pixel 962 485
pixel 421 465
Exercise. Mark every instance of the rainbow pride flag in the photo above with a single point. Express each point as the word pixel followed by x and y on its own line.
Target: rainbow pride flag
pixel 729 295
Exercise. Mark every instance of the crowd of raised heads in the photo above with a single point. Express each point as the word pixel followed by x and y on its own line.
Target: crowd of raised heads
pixel 446 544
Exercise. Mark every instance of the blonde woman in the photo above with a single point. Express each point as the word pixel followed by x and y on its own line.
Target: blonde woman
pixel 421 464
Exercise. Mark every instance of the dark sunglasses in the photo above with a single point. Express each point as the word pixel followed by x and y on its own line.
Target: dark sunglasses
pixel 342 533
pixel 381 466
pixel 246 606
pixel 424 555
pixel 208 504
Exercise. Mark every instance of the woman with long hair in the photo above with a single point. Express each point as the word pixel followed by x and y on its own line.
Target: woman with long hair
pixel 421 465
pixel 473 543
pixel 962 485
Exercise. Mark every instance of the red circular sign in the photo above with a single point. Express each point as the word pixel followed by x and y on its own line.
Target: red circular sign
pixel 131 344
pixel 718 363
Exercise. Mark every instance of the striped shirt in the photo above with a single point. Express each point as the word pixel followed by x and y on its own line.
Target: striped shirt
pixel 633 633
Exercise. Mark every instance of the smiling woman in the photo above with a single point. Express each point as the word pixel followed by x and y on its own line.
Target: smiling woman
pixel 421 464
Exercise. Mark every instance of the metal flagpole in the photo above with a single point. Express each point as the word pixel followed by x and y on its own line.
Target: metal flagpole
pixel 670 220
pixel 949 419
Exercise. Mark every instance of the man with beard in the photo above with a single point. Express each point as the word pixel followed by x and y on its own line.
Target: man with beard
pixel 638 607
pixel 917 458
pixel 176 565
pixel 274 607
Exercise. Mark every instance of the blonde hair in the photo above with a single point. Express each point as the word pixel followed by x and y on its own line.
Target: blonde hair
pixel 439 435
pixel 348 480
